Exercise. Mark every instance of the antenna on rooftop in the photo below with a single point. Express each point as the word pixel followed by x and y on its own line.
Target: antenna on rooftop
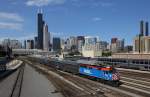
pixel 41 11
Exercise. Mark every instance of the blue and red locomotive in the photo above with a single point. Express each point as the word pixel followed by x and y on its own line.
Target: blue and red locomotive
pixel 104 73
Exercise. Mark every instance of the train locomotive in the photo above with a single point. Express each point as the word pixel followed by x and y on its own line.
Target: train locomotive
pixel 100 71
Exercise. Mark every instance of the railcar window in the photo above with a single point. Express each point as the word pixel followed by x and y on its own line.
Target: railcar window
pixel 146 62
pixel 141 62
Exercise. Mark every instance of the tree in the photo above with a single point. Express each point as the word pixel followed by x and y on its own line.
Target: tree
pixel 106 54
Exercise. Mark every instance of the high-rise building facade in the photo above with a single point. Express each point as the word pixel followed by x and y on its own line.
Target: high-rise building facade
pixel 46 38
pixel 30 44
pixel 141 43
pixel 24 44
pixel 144 46
pixel 117 45
pixel 142 28
pixel 91 47
pixel 128 48
pixel 120 45
pixel 35 42
pixel 67 44
pixel 146 29
pixel 80 40
pixel 114 40
pixel 73 40
pixel 89 40
pixel 40 30
pixel 14 44
pixel 101 45
pixel 57 44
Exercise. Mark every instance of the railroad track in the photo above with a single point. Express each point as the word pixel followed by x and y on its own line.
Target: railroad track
pixel 138 83
pixel 90 88
pixel 97 88
pixel 131 87
pixel 70 85
pixel 136 88
pixel 16 91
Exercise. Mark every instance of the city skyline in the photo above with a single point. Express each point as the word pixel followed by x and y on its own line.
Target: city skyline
pixel 103 18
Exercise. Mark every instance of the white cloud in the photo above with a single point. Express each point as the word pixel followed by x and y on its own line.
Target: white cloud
pixel 12 26
pixel 11 16
pixel 96 19
pixel 40 3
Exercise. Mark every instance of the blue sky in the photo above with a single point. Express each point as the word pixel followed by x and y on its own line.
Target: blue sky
pixel 103 18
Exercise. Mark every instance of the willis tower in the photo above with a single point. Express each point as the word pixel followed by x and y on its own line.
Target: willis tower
pixel 40 30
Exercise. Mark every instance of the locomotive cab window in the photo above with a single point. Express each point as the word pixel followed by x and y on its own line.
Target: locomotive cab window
pixel 106 72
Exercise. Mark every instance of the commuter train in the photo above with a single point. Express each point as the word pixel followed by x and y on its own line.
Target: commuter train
pixel 98 71
pixel 88 68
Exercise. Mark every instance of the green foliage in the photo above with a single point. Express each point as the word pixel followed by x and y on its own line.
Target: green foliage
pixel 2 53
pixel 106 54
pixel 74 53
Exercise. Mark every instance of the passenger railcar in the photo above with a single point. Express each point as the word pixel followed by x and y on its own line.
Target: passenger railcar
pixel 70 66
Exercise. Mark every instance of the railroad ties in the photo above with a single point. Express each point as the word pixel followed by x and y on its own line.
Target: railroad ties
pixel 18 83
pixel 134 83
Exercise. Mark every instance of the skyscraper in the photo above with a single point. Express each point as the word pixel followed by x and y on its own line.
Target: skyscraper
pixel 30 44
pixel 80 40
pixel 35 42
pixel 89 40
pixel 142 28
pixel 40 30
pixel 56 44
pixel 117 45
pixel 45 38
pixel 146 29
pixel 24 44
